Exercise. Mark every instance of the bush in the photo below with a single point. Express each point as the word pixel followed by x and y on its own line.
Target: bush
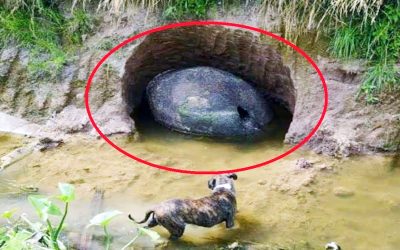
pixel 376 41
pixel 364 29
pixel 39 26
pixel 21 233
pixel 193 9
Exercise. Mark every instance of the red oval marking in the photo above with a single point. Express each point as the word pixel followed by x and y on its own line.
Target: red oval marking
pixel 198 23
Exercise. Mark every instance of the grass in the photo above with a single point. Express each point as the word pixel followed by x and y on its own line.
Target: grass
pixel 378 42
pixel 360 29
pixel 41 28
pixel 189 9
pixel 300 17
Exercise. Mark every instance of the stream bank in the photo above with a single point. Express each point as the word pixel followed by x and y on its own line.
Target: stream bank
pixel 57 104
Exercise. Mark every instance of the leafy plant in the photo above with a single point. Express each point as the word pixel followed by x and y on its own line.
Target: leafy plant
pixel 44 207
pixel 104 219
pixel 8 214
pixel 77 26
pixel 21 233
pixel 17 240
pixel 179 9
pixel 143 231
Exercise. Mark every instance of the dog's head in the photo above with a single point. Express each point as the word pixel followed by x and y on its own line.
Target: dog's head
pixel 223 181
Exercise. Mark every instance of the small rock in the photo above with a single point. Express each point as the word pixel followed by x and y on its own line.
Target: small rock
pixel 9 54
pixel 324 167
pixel 303 163
pixel 48 143
pixel 262 182
pixel 69 120
pixel 235 246
pixel 77 181
pixel 343 192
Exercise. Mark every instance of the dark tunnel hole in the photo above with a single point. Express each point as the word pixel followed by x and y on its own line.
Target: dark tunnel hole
pixel 243 114
pixel 244 56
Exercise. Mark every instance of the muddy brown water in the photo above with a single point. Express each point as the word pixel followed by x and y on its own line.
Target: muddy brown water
pixel 355 201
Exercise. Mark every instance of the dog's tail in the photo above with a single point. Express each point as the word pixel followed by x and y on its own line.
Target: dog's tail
pixel 145 218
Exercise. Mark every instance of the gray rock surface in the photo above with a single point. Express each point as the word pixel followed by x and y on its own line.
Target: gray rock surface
pixel 207 101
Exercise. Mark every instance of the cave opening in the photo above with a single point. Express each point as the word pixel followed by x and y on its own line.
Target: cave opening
pixel 238 52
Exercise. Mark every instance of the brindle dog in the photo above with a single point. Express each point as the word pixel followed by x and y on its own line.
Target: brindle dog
pixel 216 208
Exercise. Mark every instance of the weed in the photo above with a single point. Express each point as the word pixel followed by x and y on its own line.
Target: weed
pixel 300 17
pixel 77 26
pixel 180 9
pixel 154 236
pixel 21 233
pixel 44 207
pixel 377 42
pixel 103 220
pixel 40 27
pixel 362 29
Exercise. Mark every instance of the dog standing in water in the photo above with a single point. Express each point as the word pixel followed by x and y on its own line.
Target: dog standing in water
pixel 216 208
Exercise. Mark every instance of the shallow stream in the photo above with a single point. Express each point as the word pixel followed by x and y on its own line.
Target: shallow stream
pixel 355 201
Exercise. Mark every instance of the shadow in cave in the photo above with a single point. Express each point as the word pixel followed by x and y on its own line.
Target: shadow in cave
pixel 274 132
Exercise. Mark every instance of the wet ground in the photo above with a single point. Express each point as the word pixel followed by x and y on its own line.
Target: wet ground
pixel 355 201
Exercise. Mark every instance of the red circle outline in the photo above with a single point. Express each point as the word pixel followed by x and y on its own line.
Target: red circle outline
pixel 199 23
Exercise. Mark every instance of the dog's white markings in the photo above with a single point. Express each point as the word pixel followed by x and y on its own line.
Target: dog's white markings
pixel 332 246
pixel 226 186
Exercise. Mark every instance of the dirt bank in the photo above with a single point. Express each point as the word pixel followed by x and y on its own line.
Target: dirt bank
pixel 57 103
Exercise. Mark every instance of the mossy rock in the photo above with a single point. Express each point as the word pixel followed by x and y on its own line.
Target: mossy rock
pixel 207 101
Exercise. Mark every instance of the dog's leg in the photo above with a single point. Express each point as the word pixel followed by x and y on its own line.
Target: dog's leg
pixel 230 220
pixel 177 232
pixel 174 227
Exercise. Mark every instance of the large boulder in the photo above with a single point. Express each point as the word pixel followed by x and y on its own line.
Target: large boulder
pixel 207 101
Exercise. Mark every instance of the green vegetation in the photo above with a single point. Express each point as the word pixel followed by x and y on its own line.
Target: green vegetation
pixel 194 9
pixel 45 207
pixel 365 29
pixel 39 26
pixel 21 233
pixel 378 42
pixel 103 220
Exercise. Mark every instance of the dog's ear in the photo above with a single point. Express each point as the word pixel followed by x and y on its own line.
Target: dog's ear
pixel 211 183
pixel 233 176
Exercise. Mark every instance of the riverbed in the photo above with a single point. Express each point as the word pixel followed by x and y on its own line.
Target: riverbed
pixel 353 201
